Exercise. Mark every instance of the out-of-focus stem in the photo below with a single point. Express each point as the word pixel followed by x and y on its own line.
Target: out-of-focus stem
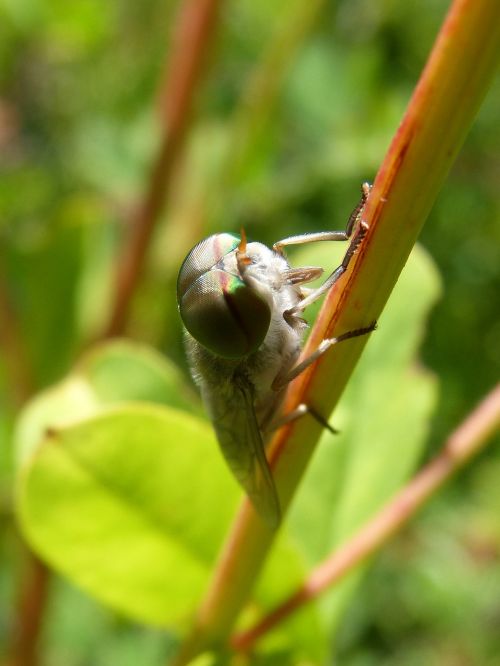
pixel 464 443
pixel 192 38
pixel 28 616
pixel 17 365
pixel 30 612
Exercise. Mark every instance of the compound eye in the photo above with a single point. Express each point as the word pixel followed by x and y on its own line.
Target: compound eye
pixel 204 256
pixel 224 314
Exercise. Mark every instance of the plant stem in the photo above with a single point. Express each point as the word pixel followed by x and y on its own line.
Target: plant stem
pixel 17 365
pixel 451 88
pixel 31 609
pixel 464 443
pixel 32 595
pixel 192 38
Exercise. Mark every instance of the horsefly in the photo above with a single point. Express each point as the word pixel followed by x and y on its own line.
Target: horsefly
pixel 241 305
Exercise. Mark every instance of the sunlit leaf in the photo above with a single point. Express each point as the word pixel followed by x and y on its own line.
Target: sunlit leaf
pixel 110 373
pixel 132 505
pixel 121 371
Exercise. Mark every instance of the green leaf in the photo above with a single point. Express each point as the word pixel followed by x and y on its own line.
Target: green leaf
pixel 97 461
pixel 108 374
pixel 121 371
pixel 131 505
pixel 71 400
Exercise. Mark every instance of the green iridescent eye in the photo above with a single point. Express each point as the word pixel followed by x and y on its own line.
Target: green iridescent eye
pixel 204 256
pixel 221 311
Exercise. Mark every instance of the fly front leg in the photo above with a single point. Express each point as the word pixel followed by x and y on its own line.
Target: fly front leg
pixel 332 279
pixel 354 221
pixel 354 218
pixel 356 214
pixel 282 380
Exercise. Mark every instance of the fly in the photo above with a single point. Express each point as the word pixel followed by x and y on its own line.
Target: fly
pixel 241 305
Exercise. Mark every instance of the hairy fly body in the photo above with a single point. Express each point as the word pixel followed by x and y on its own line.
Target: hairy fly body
pixel 241 304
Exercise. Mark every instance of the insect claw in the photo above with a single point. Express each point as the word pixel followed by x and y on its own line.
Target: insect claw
pixel 321 420
pixel 300 411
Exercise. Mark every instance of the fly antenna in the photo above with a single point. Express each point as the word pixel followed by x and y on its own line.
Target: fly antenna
pixel 242 259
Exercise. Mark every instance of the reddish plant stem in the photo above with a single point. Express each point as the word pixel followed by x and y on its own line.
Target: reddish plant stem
pixel 30 613
pixel 17 365
pixel 466 441
pixel 33 589
pixel 192 38
pixel 34 584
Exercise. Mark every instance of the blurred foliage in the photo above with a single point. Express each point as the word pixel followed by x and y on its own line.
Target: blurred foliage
pixel 78 129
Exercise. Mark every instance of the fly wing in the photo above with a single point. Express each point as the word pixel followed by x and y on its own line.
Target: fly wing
pixel 233 415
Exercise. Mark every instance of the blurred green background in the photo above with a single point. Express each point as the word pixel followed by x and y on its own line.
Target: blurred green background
pixel 79 126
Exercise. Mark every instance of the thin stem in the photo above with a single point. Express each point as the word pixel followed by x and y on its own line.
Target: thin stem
pixel 452 86
pixel 31 610
pixel 464 443
pixel 32 595
pixel 192 38
pixel 17 365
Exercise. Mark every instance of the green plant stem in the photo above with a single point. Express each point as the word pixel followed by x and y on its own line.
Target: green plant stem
pixel 192 38
pixel 463 444
pixel 442 108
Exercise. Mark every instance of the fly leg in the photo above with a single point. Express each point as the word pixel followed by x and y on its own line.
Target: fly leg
pixel 354 221
pixel 354 218
pixel 281 381
pixel 298 413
